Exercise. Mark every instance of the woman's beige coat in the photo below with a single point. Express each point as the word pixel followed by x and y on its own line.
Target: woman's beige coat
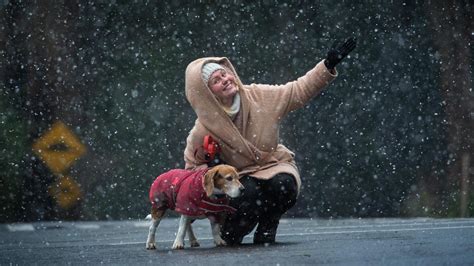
pixel 251 144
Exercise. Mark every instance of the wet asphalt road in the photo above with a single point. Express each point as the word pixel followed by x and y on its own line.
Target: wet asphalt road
pixel 300 241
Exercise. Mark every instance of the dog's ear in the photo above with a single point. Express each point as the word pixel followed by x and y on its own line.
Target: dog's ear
pixel 208 181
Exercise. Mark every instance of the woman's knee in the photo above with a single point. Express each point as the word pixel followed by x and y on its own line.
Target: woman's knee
pixel 283 184
pixel 281 192
pixel 248 200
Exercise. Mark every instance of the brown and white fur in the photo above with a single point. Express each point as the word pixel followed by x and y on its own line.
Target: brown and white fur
pixel 218 180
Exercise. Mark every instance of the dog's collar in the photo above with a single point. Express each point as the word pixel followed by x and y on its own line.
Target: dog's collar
pixel 217 194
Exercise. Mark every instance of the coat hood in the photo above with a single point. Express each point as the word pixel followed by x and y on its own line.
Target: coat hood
pixel 210 113
pixel 203 101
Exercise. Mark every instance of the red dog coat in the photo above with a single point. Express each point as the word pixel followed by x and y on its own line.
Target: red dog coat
pixel 183 191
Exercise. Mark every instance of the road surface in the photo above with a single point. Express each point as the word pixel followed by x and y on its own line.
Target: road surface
pixel 420 241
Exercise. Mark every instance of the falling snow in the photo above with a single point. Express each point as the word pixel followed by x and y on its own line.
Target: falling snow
pixel 114 73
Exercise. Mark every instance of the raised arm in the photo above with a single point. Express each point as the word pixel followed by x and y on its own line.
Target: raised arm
pixel 295 94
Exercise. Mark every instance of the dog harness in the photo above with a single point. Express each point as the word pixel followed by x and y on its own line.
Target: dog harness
pixel 183 191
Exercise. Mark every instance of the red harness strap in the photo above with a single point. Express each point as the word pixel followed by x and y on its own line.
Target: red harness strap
pixel 217 205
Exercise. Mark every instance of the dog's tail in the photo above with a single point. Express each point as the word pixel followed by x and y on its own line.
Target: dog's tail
pixel 148 217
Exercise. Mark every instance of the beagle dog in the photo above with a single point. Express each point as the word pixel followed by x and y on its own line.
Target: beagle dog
pixel 195 194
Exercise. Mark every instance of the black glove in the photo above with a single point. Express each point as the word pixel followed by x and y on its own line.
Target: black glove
pixel 336 54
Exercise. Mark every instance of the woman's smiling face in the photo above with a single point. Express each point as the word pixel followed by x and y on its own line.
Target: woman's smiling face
pixel 222 85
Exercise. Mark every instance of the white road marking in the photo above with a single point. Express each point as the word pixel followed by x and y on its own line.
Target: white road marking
pixel 142 224
pixel 87 226
pixel 326 233
pixel 379 230
pixel 20 227
pixel 433 223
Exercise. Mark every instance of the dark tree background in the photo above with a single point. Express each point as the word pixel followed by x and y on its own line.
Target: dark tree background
pixel 390 137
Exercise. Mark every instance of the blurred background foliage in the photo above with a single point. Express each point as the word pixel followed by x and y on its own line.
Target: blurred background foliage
pixel 374 144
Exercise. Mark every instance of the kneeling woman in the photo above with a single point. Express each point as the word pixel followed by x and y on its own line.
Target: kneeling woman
pixel 244 120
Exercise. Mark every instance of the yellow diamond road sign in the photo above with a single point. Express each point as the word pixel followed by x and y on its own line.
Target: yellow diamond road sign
pixel 59 148
pixel 66 192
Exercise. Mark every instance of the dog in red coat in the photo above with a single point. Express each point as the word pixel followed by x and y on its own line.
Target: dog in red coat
pixel 195 194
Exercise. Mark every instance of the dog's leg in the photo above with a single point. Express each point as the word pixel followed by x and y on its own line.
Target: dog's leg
pixel 216 233
pixel 183 224
pixel 192 236
pixel 156 216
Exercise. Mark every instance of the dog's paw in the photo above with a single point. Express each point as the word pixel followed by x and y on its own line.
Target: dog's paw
pixel 219 242
pixel 195 244
pixel 178 245
pixel 150 245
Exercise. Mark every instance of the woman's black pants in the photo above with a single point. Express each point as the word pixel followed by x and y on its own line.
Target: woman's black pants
pixel 262 203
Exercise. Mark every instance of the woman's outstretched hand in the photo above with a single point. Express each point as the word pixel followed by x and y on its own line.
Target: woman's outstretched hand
pixel 338 52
